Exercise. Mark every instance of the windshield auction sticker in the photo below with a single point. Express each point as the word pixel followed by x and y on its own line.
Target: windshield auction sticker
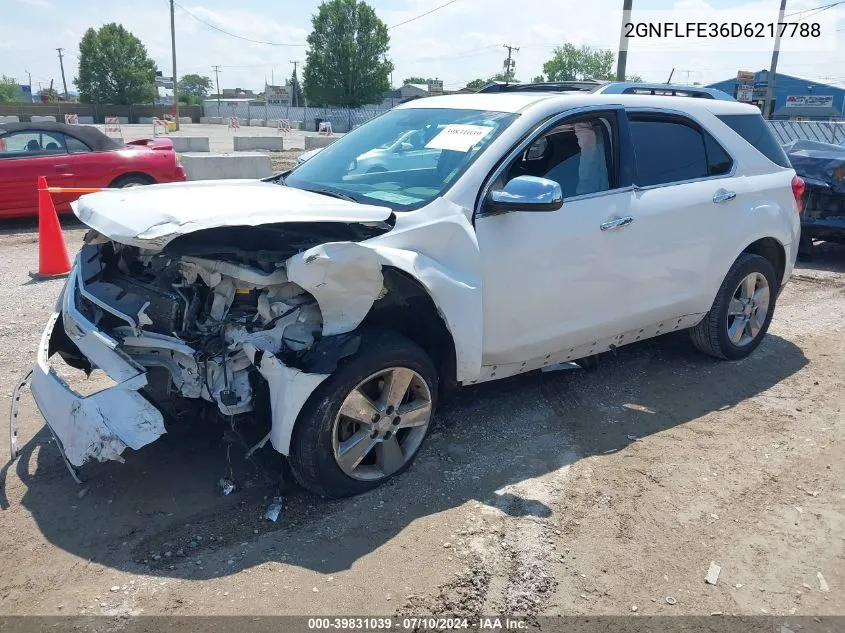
pixel 459 137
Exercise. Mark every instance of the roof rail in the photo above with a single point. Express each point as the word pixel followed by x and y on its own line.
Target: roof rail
pixel 663 90
pixel 587 85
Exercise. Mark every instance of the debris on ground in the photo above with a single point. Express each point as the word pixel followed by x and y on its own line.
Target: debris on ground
pixel 713 574
pixel 274 509
pixel 671 600
pixel 822 583
pixel 227 486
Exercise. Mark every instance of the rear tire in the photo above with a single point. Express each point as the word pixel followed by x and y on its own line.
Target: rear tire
pixel 734 327
pixel 132 181
pixel 322 433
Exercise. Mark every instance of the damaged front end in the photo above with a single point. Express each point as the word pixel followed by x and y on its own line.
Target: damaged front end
pixel 247 319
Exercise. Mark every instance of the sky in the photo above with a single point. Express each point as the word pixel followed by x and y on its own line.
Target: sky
pixel 456 44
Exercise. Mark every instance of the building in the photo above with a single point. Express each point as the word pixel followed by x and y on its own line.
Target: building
pixel 794 98
pixel 409 92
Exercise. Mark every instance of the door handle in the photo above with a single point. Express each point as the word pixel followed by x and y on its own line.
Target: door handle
pixel 615 224
pixel 723 195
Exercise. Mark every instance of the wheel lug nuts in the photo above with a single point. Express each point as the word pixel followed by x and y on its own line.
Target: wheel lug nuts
pixel 389 410
pixel 376 417
pixel 374 435
pixel 396 420
pixel 387 435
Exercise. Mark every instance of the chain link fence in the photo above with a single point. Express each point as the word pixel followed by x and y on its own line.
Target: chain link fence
pixel 307 118
pixel 824 131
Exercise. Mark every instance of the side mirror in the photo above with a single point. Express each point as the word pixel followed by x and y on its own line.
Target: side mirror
pixel 526 193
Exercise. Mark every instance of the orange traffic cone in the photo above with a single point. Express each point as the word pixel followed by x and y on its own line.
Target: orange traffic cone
pixel 52 252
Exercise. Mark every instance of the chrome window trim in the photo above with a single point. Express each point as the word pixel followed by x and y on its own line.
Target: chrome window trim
pixel 541 127
pixel 692 119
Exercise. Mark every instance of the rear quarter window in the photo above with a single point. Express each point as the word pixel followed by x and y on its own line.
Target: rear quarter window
pixel 754 129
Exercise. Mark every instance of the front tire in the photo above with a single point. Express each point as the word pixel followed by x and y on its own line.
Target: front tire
pixel 742 311
pixel 367 421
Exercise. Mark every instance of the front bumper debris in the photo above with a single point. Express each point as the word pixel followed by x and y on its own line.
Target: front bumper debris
pixel 100 426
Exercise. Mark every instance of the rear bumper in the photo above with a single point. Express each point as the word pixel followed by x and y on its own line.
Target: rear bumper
pixel 102 425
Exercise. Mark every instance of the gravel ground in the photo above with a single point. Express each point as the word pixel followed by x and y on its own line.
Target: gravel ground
pixel 602 492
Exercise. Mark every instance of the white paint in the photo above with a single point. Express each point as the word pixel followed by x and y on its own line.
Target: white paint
pixel 289 390
pixel 99 426
pixel 344 277
pixel 152 216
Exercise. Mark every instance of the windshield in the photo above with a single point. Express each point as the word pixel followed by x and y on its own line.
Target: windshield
pixel 403 159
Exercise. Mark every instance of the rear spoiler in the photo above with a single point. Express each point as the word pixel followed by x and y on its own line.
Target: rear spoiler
pixel 153 143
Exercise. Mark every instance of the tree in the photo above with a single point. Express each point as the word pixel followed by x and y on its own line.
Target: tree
pixel 538 79
pixel 295 90
pixel 569 64
pixel 10 90
pixel 114 68
pixel 194 85
pixel 478 84
pixel 635 78
pixel 415 80
pixel 346 63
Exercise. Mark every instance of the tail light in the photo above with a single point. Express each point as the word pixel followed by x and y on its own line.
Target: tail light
pixel 798 192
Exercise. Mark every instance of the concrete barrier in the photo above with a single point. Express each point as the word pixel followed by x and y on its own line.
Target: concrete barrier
pixel 242 143
pixel 146 119
pixel 257 123
pixel 185 119
pixel 219 166
pixel 41 119
pixel 9 119
pixel 211 119
pixel 190 143
pixel 313 142
pixel 296 125
pixel 87 120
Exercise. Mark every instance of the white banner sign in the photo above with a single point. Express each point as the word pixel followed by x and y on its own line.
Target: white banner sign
pixel 813 101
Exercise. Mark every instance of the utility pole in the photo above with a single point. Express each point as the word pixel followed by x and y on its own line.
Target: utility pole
pixel 173 52
pixel 770 88
pixel 217 81
pixel 622 57
pixel 295 95
pixel 62 64
pixel 509 64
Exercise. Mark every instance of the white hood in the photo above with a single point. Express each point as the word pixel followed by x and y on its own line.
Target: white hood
pixel 153 215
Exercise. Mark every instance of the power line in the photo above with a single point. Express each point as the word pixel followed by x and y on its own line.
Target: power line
pixel 235 35
pixel 422 15
pixel 824 6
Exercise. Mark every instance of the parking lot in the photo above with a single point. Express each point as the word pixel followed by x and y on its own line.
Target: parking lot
pixel 571 492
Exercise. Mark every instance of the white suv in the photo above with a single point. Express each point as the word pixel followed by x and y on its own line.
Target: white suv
pixel 334 307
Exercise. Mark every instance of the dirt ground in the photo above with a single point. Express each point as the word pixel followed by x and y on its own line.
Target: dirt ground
pixel 573 492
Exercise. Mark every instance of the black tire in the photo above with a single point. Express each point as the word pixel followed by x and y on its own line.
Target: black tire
pixel 131 181
pixel 311 455
pixel 711 334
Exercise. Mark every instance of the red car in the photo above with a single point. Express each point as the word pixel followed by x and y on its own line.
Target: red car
pixel 75 156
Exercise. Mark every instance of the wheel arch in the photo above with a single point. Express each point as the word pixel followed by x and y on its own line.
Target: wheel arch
pixel 133 174
pixel 408 308
pixel 772 250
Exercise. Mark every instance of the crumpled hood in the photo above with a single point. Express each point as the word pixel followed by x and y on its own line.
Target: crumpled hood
pixel 151 216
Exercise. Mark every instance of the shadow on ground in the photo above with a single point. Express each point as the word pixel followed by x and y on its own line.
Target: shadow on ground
pixel 164 499
pixel 824 256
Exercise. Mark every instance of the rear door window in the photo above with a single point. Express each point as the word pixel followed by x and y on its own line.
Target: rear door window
pixel 32 143
pixel 754 129
pixel 75 146
pixel 667 150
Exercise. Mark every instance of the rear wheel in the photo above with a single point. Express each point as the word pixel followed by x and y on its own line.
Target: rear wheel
pixel 742 311
pixel 131 181
pixel 367 421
